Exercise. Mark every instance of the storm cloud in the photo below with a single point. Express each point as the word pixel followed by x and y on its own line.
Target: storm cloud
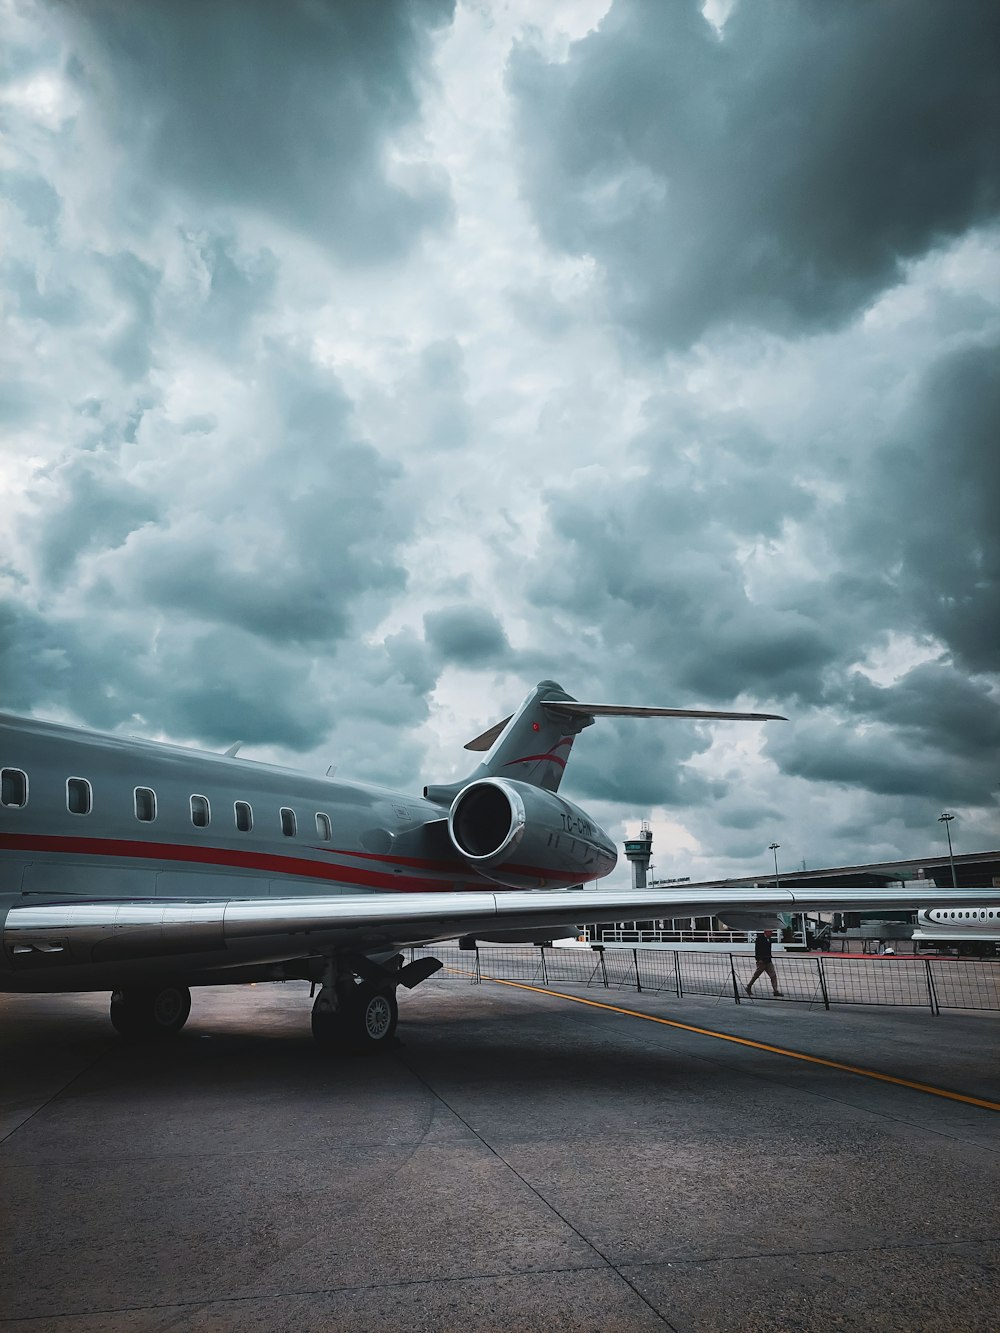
pixel 362 365
pixel 778 172
pixel 282 110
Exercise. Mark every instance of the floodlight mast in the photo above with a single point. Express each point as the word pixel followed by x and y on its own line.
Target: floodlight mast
pixel 945 818
pixel 773 847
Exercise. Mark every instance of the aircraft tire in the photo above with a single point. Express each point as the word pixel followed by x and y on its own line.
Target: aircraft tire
pixel 361 1025
pixel 147 1013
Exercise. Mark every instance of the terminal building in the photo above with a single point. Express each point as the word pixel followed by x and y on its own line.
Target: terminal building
pixel 972 870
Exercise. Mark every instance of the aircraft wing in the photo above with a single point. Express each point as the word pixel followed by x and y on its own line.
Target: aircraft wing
pixel 267 929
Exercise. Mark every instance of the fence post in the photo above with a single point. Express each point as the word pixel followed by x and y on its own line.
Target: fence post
pixel 822 981
pixel 635 960
pixel 477 980
pixel 736 985
pixel 545 975
pixel 677 973
pixel 604 970
pixel 931 992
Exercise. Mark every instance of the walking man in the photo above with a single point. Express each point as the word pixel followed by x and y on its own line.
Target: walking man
pixel 762 952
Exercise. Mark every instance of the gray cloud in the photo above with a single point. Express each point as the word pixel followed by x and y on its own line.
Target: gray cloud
pixel 33 196
pixel 468 636
pixel 87 505
pixel 444 382
pixel 877 760
pixel 237 287
pixel 778 173
pixel 658 564
pixel 929 520
pixel 654 568
pixel 285 535
pixel 641 764
pixel 938 704
pixel 127 346
pixel 283 110
pixel 239 449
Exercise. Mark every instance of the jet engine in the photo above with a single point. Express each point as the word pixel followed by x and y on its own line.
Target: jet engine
pixel 525 838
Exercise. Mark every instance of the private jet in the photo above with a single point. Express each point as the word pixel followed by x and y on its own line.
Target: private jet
pixel 146 869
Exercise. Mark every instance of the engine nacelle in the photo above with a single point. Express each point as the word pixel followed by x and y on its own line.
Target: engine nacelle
pixel 526 838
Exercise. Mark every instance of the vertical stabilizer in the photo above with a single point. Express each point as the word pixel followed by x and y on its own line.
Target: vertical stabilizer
pixel 536 743
pixel 531 746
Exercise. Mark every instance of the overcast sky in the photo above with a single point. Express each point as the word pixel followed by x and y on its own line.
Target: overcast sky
pixel 363 364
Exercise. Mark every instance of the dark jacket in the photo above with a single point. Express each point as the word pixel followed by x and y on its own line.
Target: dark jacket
pixel 762 948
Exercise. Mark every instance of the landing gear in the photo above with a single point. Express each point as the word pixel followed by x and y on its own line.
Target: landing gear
pixel 150 1012
pixel 355 1018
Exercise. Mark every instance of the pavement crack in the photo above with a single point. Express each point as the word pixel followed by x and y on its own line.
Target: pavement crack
pixel 834 1251
pixel 101 1055
pixel 540 1196
pixel 205 1302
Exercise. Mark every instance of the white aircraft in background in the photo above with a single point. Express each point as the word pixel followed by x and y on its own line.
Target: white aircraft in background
pixel 967 929
pixel 146 869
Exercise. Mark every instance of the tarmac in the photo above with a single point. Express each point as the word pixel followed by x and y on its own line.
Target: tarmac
pixel 519 1161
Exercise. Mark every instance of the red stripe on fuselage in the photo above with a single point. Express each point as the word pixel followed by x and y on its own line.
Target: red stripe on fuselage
pixel 269 862
pixel 418 862
pixel 272 863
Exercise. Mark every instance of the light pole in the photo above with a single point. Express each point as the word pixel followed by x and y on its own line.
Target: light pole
pixel 773 847
pixel 945 818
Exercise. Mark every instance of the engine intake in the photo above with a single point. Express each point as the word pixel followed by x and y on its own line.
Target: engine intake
pixel 523 837
pixel 485 820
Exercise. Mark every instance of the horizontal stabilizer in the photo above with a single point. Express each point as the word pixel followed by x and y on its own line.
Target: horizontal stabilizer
pixel 630 710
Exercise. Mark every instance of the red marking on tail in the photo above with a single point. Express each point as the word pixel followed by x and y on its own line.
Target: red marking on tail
pixel 550 755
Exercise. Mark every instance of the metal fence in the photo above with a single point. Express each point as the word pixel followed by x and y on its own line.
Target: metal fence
pixel 816 979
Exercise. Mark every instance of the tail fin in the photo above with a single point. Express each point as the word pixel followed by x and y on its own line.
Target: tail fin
pixel 531 745
pixel 534 744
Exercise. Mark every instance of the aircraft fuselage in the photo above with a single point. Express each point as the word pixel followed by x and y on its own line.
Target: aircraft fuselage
pixel 110 817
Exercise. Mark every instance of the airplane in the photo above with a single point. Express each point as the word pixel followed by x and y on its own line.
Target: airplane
pixel 967 929
pixel 146 869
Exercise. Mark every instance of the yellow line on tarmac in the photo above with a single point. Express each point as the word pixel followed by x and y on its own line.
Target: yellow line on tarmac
pixel 759 1046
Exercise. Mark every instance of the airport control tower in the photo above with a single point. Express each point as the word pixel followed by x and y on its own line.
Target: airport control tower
pixel 639 851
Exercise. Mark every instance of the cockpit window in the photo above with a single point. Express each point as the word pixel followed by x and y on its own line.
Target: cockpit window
pixel 13 787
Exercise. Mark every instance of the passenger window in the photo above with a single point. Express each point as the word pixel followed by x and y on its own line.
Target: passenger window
pixel 79 798
pixel 13 787
pixel 201 811
pixel 287 822
pixel 244 816
pixel 145 804
pixel 323 826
